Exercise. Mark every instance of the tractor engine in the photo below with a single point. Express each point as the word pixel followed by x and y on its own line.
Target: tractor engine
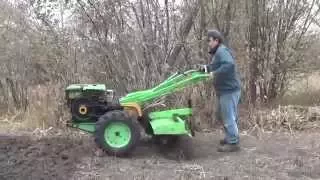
pixel 88 102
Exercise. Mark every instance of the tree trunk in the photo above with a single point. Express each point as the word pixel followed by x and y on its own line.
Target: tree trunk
pixel 184 31
pixel 253 45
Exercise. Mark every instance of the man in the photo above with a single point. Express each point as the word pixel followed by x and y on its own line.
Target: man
pixel 227 86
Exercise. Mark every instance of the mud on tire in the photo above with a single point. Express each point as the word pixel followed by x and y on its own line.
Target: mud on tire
pixel 113 117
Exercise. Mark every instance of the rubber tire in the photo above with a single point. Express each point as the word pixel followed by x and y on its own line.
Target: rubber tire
pixel 115 116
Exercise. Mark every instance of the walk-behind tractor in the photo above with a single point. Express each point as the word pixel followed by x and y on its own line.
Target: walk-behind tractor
pixel 116 124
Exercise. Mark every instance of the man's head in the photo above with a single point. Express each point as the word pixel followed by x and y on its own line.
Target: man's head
pixel 214 38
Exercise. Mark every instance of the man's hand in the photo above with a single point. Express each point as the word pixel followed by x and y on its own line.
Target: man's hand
pixel 211 74
pixel 203 68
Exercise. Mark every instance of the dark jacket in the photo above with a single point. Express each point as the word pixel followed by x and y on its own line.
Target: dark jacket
pixel 226 78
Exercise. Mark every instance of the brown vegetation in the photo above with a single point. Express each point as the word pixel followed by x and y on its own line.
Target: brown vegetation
pixel 132 45
pixel 135 44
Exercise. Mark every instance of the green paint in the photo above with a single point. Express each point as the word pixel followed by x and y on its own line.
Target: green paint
pixel 177 81
pixel 117 134
pixel 170 113
pixel 168 126
pixel 88 127
pixel 170 121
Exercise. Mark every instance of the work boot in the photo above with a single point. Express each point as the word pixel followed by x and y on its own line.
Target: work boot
pixel 229 148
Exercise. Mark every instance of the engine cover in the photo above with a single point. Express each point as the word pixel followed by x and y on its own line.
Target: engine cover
pixel 76 91
pixel 88 102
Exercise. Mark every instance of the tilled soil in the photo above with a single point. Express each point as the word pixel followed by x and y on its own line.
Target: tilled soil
pixel 22 157
pixel 273 156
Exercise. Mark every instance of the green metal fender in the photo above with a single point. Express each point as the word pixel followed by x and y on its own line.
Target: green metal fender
pixel 170 122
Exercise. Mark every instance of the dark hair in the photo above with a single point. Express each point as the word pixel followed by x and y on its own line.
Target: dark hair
pixel 215 34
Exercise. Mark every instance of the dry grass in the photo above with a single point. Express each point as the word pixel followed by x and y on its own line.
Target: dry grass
pixel 290 117
pixel 298 109
pixel 295 112
pixel 304 98
pixel 45 109
pixel 305 91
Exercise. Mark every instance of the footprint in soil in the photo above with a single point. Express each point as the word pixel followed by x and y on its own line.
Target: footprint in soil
pixel 47 158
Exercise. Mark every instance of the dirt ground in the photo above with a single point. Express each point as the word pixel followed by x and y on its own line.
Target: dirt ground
pixel 271 156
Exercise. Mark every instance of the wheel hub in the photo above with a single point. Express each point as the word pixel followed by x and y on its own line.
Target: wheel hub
pixel 117 135
pixel 83 110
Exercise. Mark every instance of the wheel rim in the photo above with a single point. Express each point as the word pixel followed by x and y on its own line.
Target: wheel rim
pixel 117 134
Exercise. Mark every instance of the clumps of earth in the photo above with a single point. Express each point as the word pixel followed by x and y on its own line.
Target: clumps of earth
pixel 269 156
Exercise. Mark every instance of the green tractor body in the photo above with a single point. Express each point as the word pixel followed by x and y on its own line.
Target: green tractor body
pixel 171 122
pixel 116 130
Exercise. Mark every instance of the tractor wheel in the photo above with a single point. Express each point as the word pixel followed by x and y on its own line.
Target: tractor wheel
pixel 116 133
